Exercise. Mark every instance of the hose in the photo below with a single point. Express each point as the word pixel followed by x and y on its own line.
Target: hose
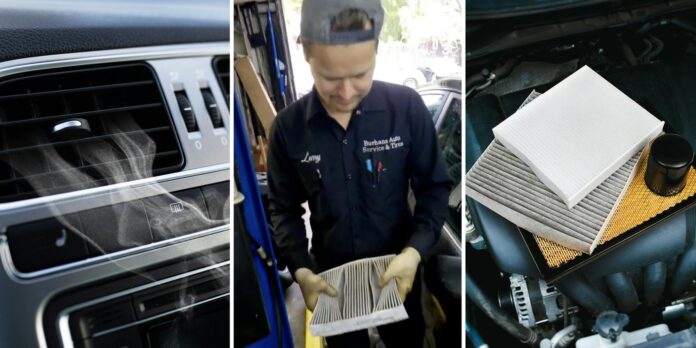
pixel 524 334
pixel 484 85
pixel 564 337
pixel 498 73
pixel 655 276
pixel 474 336
pixel 584 294
pixel 623 290
pixel 628 54
pixel 641 56
pixel 684 273
pixel 658 49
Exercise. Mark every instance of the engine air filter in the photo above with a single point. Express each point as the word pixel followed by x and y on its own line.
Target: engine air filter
pixel 637 206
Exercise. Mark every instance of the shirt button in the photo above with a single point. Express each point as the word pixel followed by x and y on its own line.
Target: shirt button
pixel 349 177
pixel 345 141
pixel 358 112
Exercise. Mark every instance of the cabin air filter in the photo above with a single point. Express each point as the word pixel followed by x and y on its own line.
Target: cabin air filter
pixel 361 303
pixel 579 132
pixel 506 185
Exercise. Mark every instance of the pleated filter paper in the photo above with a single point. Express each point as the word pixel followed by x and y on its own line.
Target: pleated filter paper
pixel 576 134
pixel 507 186
pixel 361 303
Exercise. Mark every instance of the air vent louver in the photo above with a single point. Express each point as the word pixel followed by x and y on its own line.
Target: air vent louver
pixel 222 70
pixel 125 131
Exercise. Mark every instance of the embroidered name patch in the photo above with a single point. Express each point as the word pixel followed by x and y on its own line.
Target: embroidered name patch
pixel 311 158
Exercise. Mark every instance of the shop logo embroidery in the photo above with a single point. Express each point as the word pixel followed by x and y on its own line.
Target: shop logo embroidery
pixel 380 145
pixel 311 158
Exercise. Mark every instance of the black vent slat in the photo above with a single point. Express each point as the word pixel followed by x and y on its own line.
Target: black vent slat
pixel 62 73
pixel 78 169
pixel 26 194
pixel 86 140
pixel 118 116
pixel 75 90
pixel 80 114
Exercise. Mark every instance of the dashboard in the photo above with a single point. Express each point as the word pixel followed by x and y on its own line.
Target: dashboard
pixel 114 173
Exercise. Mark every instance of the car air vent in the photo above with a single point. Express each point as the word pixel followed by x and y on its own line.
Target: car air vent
pixel 70 129
pixel 222 70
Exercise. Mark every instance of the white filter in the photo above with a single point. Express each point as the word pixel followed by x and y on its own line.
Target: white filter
pixel 361 303
pixel 577 134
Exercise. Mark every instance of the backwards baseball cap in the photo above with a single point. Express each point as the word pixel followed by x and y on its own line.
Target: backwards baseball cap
pixel 318 16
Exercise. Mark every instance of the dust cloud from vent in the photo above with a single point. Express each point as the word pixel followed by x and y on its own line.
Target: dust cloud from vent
pixel 127 154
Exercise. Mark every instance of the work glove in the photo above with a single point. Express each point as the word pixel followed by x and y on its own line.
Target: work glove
pixel 403 267
pixel 312 285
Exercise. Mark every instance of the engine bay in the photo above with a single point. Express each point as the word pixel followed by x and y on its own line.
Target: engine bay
pixel 639 292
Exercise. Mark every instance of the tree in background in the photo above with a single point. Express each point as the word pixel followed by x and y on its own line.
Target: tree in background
pixel 393 29
pixel 435 27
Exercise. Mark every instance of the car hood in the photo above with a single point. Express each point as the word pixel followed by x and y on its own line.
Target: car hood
pixel 488 9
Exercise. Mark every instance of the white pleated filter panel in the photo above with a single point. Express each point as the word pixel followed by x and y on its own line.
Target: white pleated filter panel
pixel 578 133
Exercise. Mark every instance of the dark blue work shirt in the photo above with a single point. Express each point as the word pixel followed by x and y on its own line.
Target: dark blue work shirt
pixel 356 180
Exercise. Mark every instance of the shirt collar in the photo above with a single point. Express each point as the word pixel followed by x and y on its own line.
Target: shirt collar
pixel 374 101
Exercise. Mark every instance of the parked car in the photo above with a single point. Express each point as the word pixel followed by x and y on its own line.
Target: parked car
pixel 443 270
pixel 400 74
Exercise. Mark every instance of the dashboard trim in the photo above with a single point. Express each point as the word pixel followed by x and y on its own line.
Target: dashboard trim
pixel 64 317
pixel 26 328
pixel 4 248
pixel 23 65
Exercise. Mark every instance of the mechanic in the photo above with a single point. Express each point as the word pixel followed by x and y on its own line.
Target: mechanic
pixel 350 148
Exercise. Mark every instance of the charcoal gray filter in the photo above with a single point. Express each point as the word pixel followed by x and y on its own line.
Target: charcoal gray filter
pixel 361 303
pixel 505 184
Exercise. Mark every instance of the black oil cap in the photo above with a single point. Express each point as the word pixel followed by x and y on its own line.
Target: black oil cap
pixel 668 163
